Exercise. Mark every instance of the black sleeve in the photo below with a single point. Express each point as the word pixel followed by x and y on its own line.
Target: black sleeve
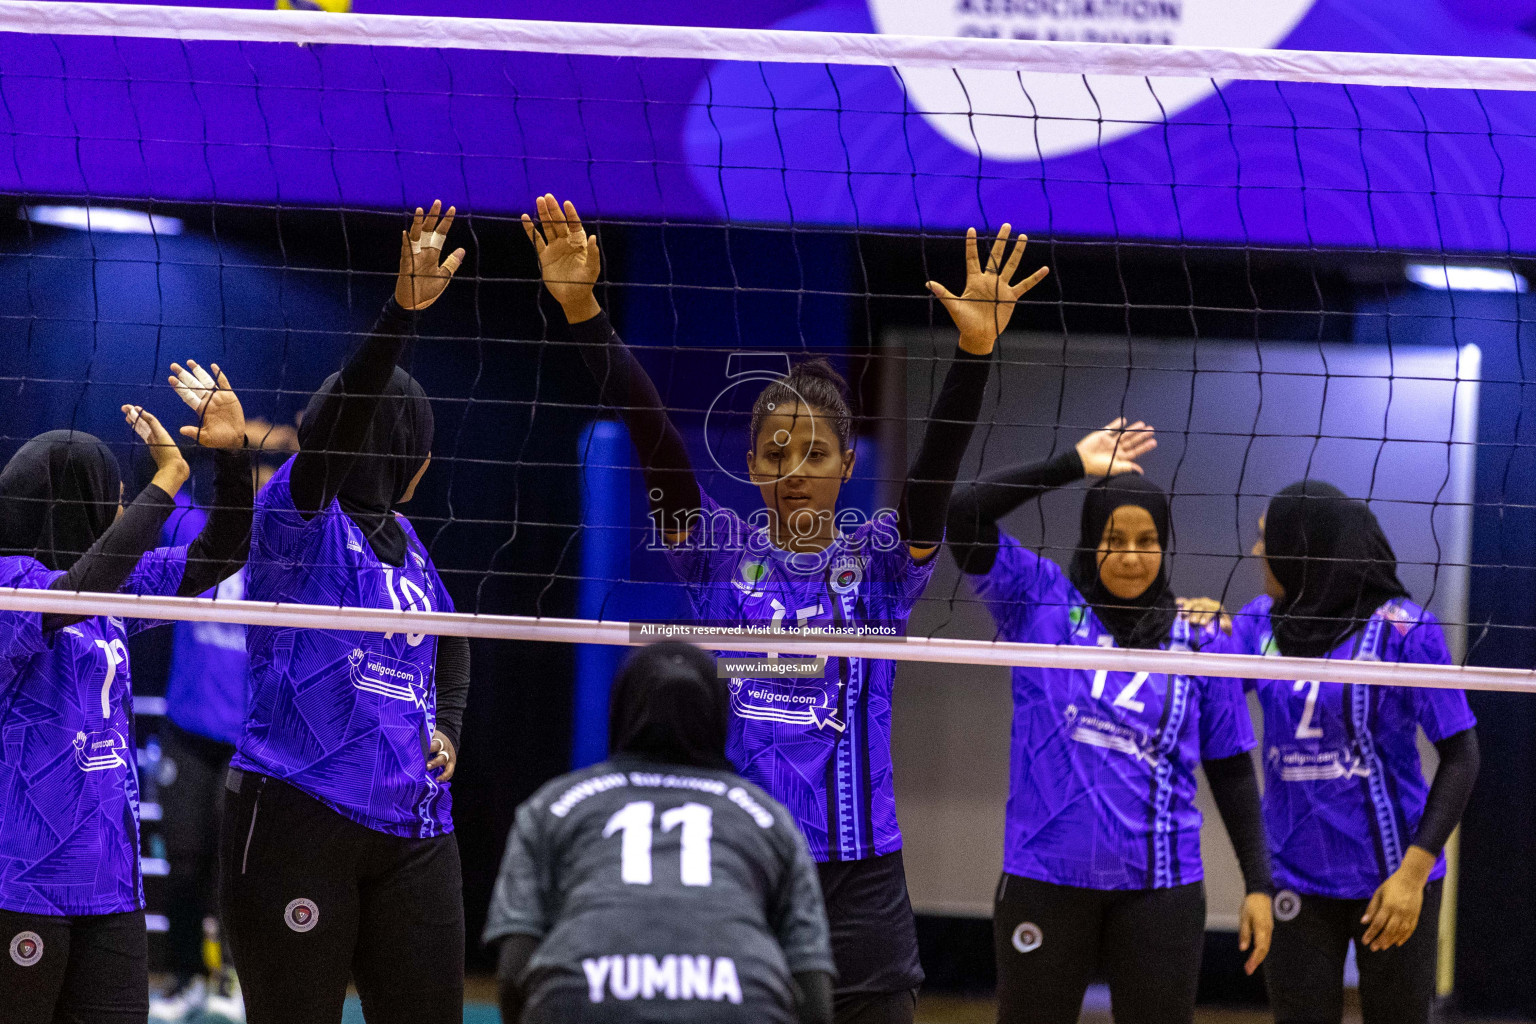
pixel 111 560
pixel 813 990
pixel 516 951
pixel 624 385
pixel 340 425
pixel 925 505
pixel 1235 786
pixel 221 547
pixel 452 685
pixel 1448 794
pixel 975 510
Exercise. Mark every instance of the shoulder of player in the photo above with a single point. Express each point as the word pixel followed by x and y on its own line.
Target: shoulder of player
pixel 26 572
pixel 1416 631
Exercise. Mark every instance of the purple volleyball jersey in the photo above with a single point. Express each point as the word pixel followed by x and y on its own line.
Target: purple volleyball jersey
pixel 1343 785
pixel 821 746
pixel 69 789
pixel 1102 779
pixel 345 716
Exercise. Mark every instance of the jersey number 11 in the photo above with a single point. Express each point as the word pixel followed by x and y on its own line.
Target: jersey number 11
pixel 634 821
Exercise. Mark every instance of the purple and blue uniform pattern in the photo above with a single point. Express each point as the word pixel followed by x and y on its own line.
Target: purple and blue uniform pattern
pixel 821 747
pixel 69 789
pixel 347 717
pixel 1344 787
pixel 1102 779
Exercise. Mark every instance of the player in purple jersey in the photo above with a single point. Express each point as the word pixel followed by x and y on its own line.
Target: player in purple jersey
pixel 820 745
pixel 71 896
pixel 1101 867
pixel 205 697
pixel 338 860
pixel 1355 832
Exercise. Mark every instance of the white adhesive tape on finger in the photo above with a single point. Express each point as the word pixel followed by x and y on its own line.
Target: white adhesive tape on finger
pixel 433 241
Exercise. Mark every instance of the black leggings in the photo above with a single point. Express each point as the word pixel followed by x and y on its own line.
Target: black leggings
pixel 1052 940
pixel 1305 969
pixel 310 898
pixel 193 798
pixel 874 940
pixel 74 970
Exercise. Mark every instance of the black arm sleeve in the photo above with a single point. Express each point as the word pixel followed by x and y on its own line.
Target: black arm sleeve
pixel 452 685
pixel 221 547
pixel 925 505
pixel 1448 794
pixel 340 425
pixel 670 484
pixel 111 560
pixel 516 951
pixel 975 510
pixel 1235 786
pixel 814 997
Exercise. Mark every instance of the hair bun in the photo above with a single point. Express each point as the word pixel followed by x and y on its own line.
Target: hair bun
pixel 818 368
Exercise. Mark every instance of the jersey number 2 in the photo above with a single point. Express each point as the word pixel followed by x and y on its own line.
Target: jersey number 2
pixel 1305 730
pixel 634 821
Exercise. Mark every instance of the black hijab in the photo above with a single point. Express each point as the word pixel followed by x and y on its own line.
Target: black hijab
pixel 1335 563
pixel 58 495
pixel 667 705
pixel 1142 621
pixel 398 441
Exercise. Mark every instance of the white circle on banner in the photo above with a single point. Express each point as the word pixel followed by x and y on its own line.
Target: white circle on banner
pixel 1031 115
pixel 301 915
pixel 26 949
pixel 1028 937
pixel 1287 905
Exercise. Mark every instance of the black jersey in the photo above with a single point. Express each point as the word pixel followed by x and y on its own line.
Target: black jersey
pixel 661 893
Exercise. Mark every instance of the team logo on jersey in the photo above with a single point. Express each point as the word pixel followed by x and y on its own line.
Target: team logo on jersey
pixel 301 915
pixel 1028 937
pixel 1269 648
pixel 27 948
pixel 751 574
pixel 846 575
pixel 100 751
pixel 1287 905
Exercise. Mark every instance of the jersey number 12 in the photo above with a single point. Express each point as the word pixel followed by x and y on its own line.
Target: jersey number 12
pixel 634 821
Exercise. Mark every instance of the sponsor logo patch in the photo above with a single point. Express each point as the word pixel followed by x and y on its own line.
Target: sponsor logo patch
pixel 26 948
pixel 1028 937
pixel 301 915
pixel 1287 905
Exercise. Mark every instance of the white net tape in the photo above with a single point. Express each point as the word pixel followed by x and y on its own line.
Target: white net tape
pixel 664 42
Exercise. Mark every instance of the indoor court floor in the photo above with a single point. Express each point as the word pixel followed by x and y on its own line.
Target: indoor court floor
pixel 938 1008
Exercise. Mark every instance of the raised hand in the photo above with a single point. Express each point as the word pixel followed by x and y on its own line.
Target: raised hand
pixel 221 420
pixel 171 470
pixel 984 308
pixel 1115 448
pixel 421 278
pixel 568 257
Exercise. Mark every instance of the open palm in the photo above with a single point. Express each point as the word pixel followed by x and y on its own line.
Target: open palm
pixel 985 307
pixel 422 278
pixel 568 257
pixel 221 420
pixel 1115 448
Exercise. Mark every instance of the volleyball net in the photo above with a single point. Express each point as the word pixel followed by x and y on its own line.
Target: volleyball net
pixel 1291 263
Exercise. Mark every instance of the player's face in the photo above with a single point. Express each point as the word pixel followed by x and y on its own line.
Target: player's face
pixel 1272 586
pixel 410 488
pixel 1129 552
pixel 799 466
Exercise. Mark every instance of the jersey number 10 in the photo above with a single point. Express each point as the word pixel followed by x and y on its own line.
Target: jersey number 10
pixel 634 821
